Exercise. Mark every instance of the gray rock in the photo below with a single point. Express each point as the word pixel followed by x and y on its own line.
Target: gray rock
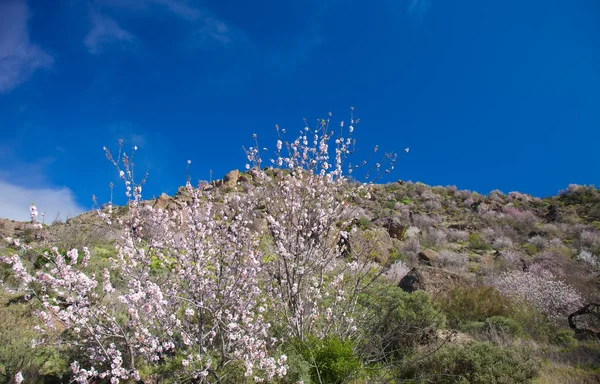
pixel 231 178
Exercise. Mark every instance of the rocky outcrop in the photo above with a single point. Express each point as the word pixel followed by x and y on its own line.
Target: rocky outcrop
pixel 231 178
pixel 433 280
pixel 428 257
pixel 394 225
pixel 375 244
pixel 165 201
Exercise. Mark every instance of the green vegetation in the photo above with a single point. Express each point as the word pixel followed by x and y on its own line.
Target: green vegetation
pixel 475 363
pixel 445 332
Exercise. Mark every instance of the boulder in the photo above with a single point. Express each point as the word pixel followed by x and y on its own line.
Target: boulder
pixel 183 195
pixel 373 243
pixel 166 202
pixel 433 280
pixel 395 228
pixel 231 178
pixel 428 257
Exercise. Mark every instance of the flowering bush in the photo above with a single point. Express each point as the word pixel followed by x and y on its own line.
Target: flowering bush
pixel 588 258
pixel 197 284
pixel 539 288
pixel 452 260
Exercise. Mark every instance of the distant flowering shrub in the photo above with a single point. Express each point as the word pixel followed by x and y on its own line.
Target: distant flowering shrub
pixel 455 235
pixel 497 196
pixel 435 237
pixel 411 246
pixel 432 205
pixel 525 219
pixel 412 232
pixel 452 260
pixel 452 188
pixel 589 258
pixel 463 194
pixel 518 196
pixel 542 290
pixel 511 256
pixel 397 271
pixel 502 242
pixel 539 242
pixel 425 221
pixel 589 239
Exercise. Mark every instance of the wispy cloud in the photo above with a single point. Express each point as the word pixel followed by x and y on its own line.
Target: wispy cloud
pixel 23 183
pixel 105 31
pixel 15 201
pixel 215 29
pixel 19 58
pixel 178 7
pixel 418 7
pixel 181 8
pixel 206 25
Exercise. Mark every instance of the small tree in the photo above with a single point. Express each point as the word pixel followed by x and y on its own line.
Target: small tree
pixel 196 285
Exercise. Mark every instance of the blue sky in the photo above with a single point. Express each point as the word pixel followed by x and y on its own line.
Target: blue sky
pixel 487 94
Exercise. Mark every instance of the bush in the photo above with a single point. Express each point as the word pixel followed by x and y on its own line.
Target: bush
pixel 452 260
pixel 468 304
pixel 503 327
pixel 473 327
pixel 329 360
pixel 564 338
pixel 397 321
pixel 477 243
pixel 475 363
pixel 364 223
pixel 542 290
pixel 16 352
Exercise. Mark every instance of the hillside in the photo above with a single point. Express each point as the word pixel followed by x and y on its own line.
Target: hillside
pixel 481 277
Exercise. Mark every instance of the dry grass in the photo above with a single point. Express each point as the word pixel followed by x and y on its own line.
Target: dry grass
pixel 554 373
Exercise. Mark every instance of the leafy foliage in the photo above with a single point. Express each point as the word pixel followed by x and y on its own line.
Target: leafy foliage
pixel 397 322
pixel 475 363
pixel 474 304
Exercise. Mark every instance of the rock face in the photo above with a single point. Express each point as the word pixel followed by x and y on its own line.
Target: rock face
pixel 231 179
pixel 432 280
pixel 394 227
pixel 165 201
pixel 374 243
pixel 428 257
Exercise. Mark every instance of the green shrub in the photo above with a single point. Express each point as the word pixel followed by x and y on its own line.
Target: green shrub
pixel 473 327
pixel 477 243
pixel 564 338
pixel 467 304
pixel 503 326
pixel 396 322
pixel 364 223
pixel 475 363
pixel 16 353
pixel 329 360
pixel 396 255
pixel 535 324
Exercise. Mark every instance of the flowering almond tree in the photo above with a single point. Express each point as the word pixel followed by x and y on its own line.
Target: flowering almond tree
pixel 198 284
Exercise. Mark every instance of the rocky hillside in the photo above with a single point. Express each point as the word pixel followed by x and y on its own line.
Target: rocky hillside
pixel 505 269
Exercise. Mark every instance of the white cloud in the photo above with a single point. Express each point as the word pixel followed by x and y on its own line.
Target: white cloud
pixel 105 31
pixel 216 30
pixel 19 58
pixel 26 182
pixel 208 27
pixel 419 7
pixel 178 7
pixel 181 8
pixel 15 201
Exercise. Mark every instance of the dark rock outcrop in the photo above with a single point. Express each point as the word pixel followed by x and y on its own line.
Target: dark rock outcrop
pixel 433 280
